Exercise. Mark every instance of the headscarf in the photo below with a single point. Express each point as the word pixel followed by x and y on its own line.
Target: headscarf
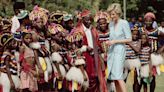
pixel 85 13
pixel 22 14
pixel 57 16
pixel 68 17
pixel 150 14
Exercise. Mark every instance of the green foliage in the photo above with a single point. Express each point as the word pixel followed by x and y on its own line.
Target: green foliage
pixel 134 7
pixel 6 10
pixel 51 5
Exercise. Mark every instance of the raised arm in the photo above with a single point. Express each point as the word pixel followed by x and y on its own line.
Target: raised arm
pixel 137 47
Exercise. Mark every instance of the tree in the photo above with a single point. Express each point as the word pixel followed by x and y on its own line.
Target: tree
pixel 6 11
pixel 134 7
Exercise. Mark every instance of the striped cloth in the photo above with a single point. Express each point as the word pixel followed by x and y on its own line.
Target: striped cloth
pixel 144 55
pixel 130 53
pixel 12 63
pixel 102 38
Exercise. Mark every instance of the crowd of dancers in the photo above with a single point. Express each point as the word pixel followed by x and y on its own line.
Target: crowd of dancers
pixel 44 51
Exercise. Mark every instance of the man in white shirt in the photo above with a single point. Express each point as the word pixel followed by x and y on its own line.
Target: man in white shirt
pixel 88 35
pixel 91 52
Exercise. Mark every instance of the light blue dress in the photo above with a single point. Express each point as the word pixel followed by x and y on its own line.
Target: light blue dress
pixel 117 52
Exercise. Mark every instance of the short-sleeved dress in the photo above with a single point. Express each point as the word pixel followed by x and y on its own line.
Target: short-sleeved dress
pixel 117 52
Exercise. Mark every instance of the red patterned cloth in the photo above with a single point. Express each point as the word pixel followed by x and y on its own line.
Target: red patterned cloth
pixel 93 66
pixel 28 81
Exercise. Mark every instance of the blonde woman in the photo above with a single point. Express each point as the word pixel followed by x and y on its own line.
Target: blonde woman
pixel 119 35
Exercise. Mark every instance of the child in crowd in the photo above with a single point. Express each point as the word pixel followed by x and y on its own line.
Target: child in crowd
pixel 153 38
pixel 28 62
pixel 146 66
pixel 132 60
pixel 56 31
pixel 8 65
pixel 76 76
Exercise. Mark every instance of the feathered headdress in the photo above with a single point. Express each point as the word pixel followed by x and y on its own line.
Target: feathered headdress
pixel 55 28
pixel 39 13
pixel 5 38
pixel 57 16
pixel 74 36
pixel 5 23
pixel 100 15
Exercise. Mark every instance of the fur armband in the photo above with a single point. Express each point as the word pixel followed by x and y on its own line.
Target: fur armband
pixel 79 61
pixel 83 48
pixel 35 45
pixel 56 57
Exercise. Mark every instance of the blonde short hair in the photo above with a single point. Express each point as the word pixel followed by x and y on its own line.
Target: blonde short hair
pixel 115 7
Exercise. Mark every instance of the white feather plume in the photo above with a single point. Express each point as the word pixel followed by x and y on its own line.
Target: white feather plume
pixel 49 66
pixel 4 81
pixel 144 71
pixel 75 74
pixel 35 45
pixel 83 48
pixel 156 59
pixel 56 57
pixel 79 61
pixel 132 63
pixel 62 70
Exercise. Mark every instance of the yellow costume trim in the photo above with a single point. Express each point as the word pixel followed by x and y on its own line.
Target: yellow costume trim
pixel 43 63
pixel 75 85
pixel 59 84
pixel 162 68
